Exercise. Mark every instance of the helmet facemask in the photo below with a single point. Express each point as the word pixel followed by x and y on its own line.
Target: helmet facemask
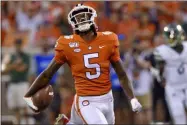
pixel 81 18
pixel 174 35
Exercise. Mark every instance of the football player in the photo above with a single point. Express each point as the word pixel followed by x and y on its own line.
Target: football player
pixel 89 54
pixel 171 61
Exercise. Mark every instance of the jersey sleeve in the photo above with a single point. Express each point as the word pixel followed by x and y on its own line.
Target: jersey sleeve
pixel 115 56
pixel 158 59
pixel 60 56
pixel 157 55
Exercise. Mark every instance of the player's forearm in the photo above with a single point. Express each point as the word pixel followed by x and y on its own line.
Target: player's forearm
pixel 143 63
pixel 124 80
pixel 41 81
pixel 160 66
pixel 127 86
pixel 44 78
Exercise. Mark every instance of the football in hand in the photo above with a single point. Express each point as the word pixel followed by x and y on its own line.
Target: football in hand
pixel 43 98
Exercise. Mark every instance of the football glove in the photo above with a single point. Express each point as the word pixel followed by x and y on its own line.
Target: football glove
pixel 136 106
pixel 30 103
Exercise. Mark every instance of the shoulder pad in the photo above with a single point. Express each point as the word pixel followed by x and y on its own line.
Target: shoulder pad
pixel 107 33
pixel 62 40
pixel 68 37
pixel 110 36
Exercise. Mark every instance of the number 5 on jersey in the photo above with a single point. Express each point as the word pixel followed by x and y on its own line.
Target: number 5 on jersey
pixel 91 66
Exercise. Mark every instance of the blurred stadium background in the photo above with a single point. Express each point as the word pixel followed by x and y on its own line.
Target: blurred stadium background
pixel 35 26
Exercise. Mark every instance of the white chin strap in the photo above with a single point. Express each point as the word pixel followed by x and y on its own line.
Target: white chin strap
pixel 84 27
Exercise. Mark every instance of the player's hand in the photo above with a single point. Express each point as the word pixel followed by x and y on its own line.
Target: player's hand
pixel 136 106
pixel 29 102
pixel 155 72
pixel 62 119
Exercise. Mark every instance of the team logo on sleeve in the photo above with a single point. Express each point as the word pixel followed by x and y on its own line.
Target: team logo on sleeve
pixel 73 44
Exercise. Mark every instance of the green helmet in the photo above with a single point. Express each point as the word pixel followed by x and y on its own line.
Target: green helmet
pixel 174 34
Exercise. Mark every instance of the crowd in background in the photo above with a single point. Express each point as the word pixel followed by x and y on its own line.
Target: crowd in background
pixel 33 28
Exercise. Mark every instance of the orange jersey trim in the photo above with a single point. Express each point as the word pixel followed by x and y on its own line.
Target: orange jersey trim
pixel 78 109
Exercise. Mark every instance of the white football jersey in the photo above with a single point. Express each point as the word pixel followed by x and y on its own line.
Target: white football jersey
pixel 175 71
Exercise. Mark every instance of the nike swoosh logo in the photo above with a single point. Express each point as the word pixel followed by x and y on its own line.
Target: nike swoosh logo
pixel 101 47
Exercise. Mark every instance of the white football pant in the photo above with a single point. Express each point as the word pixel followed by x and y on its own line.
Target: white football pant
pixel 93 110
pixel 177 102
